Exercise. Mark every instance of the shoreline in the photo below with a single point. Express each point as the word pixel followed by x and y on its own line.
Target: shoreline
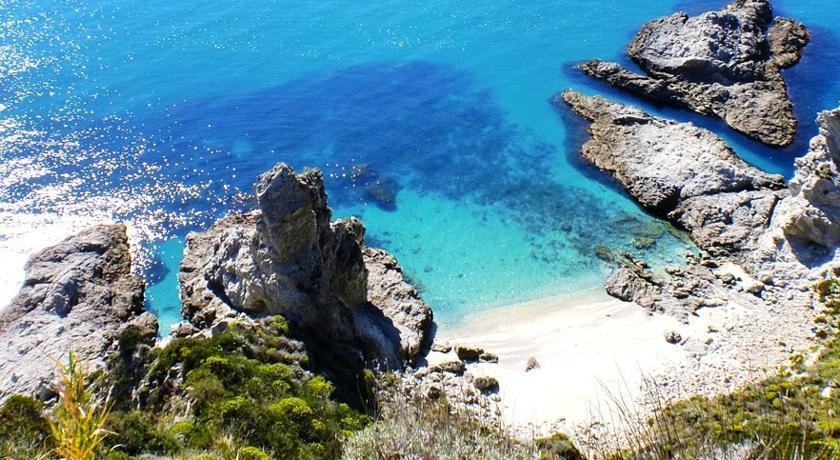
pixel 598 355
pixel 589 347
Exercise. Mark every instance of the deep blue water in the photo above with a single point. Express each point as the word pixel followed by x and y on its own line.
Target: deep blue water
pixel 163 115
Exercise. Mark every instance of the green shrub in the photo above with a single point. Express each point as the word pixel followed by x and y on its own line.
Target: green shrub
pixel 22 418
pixel 136 432
pixel 252 453
pixel 243 387
pixel 24 431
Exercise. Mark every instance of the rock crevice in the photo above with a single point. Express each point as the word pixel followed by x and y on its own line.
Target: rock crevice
pixel 349 303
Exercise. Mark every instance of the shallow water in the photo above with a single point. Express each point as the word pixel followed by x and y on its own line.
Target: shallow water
pixel 163 115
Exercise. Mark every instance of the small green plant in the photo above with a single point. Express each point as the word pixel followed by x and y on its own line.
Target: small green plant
pixel 252 453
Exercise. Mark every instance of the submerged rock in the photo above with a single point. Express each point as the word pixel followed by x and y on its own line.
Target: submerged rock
pixel 349 303
pixel 77 296
pixel 722 63
pixel 384 193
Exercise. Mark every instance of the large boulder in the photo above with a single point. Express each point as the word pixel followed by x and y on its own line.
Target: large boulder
pixel 722 63
pixel 350 304
pixel 77 296
pixel 679 171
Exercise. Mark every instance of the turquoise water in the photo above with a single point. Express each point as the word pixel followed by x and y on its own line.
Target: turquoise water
pixel 164 114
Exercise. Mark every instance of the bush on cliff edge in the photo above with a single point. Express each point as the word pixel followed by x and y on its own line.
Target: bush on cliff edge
pixel 243 393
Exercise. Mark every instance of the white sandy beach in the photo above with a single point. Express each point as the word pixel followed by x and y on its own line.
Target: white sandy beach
pixel 592 348
pixel 589 346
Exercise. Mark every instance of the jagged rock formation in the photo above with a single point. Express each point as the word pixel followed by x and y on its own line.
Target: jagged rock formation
pixel 771 243
pixel 398 300
pixel 721 63
pixel 801 244
pixel 679 171
pixel 77 295
pixel 350 304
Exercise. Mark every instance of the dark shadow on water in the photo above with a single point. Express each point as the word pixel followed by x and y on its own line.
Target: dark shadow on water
pixel 577 134
pixel 416 125
pixel 423 123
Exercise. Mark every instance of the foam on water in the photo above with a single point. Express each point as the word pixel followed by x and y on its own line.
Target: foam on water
pixel 163 115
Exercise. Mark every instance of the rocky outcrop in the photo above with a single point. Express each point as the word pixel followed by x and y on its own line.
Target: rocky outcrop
pixel 679 171
pixel 726 223
pixel 350 304
pixel 801 244
pixel 679 291
pixel 721 63
pixel 78 296
pixel 398 300
pixel 763 244
pixel 812 212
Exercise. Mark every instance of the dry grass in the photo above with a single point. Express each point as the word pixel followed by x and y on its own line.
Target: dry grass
pixel 78 428
pixel 792 414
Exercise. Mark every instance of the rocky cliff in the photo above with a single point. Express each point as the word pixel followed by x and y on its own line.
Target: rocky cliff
pixel 800 246
pixel 77 295
pixel 349 303
pixel 724 63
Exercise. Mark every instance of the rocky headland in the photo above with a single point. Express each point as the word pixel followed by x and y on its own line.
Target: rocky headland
pixel 78 296
pixel 746 298
pixel 348 306
pixel 724 63
pixel 349 303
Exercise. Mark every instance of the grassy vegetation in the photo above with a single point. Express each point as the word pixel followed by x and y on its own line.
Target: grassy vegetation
pixel 24 429
pixel 794 414
pixel 78 423
pixel 415 428
pixel 242 394
pixel 245 393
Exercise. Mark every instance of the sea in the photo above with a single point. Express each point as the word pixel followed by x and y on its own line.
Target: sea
pixel 432 121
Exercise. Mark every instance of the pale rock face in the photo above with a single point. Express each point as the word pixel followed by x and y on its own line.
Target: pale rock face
pixel 785 239
pixel 679 171
pixel 801 244
pixel 728 44
pixel 721 63
pixel 714 231
pixel 77 296
pixel 289 259
pixel 398 300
